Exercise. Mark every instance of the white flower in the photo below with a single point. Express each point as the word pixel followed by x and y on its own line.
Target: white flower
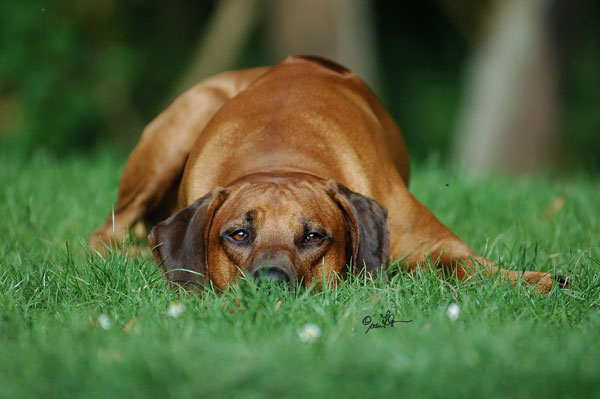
pixel 309 333
pixel 104 321
pixel 453 311
pixel 175 309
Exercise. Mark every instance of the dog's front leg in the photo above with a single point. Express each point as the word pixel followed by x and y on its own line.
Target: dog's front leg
pixel 417 235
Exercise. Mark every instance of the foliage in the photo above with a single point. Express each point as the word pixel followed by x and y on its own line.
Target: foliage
pixel 77 73
pixel 73 71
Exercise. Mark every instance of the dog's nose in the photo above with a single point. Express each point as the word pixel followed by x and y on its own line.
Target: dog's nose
pixel 271 274
pixel 275 266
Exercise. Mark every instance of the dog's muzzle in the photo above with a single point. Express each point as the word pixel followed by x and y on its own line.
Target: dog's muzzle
pixel 275 268
pixel 271 274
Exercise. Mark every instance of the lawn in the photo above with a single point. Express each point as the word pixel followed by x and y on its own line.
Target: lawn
pixel 75 324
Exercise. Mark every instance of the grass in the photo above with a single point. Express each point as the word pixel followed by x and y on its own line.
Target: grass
pixel 56 296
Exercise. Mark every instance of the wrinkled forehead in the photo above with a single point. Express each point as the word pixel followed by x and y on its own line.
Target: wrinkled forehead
pixel 296 202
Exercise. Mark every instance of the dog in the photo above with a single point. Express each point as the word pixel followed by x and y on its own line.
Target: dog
pixel 294 172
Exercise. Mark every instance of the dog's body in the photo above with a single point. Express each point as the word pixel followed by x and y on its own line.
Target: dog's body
pixel 287 171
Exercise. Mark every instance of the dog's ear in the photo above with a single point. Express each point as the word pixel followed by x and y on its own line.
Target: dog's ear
pixel 179 242
pixel 367 222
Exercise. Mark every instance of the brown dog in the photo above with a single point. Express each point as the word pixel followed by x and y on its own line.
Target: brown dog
pixel 291 172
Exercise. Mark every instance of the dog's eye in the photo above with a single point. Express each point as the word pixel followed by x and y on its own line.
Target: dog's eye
pixel 313 238
pixel 239 235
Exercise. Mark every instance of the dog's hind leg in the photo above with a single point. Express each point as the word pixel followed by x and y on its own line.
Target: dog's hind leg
pixel 149 182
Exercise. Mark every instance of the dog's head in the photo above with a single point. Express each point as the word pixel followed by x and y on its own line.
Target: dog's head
pixel 288 231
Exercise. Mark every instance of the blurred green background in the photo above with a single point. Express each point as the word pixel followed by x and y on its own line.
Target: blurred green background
pixel 76 75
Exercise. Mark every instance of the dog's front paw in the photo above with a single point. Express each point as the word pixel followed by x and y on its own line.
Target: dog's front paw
pixel 563 281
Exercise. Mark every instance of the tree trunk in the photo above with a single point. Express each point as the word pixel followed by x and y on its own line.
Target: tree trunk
pixel 509 115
